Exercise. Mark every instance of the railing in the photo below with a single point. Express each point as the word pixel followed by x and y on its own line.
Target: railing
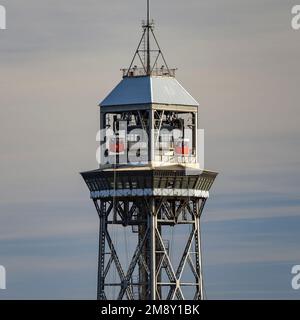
pixel 140 72
pixel 163 158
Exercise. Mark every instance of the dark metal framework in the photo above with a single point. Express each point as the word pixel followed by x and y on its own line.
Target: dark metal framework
pixel 144 51
pixel 152 273
pixel 164 122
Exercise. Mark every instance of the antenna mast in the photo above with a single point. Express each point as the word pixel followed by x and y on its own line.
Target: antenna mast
pixel 148 39
pixel 145 49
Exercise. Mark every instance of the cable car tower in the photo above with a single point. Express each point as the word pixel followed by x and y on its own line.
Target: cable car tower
pixel 150 189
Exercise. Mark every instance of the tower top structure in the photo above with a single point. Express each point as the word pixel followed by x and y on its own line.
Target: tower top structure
pixel 148 79
pixel 151 182
pixel 150 99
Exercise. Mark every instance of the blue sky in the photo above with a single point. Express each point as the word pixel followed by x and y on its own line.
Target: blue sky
pixel 239 59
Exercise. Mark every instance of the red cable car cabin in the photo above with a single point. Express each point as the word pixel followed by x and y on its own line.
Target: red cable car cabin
pixel 182 147
pixel 116 145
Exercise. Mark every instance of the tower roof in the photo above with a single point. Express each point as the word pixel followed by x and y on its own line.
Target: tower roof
pixel 149 90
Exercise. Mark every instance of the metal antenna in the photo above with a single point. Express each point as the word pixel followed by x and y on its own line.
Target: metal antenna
pixel 144 47
pixel 148 39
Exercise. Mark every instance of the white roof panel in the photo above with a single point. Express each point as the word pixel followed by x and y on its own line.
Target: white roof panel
pixel 149 89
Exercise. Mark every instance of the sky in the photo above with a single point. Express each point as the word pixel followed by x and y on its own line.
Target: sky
pixel 238 58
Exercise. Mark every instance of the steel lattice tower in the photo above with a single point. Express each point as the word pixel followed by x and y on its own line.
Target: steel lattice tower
pixel 149 184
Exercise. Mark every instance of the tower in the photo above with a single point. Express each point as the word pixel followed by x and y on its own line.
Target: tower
pixel 150 187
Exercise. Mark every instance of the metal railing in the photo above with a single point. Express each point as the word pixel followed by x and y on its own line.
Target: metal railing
pixel 140 72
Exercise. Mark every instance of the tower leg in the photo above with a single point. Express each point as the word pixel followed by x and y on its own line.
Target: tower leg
pixel 101 259
pixel 153 225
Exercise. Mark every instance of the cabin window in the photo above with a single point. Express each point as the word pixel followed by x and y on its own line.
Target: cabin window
pixel 126 137
pixel 175 136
